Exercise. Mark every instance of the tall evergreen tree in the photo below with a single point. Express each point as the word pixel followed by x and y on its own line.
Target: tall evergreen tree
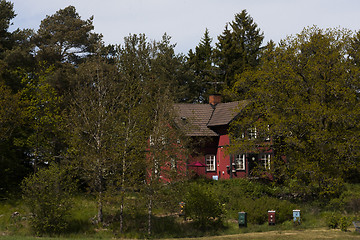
pixel 169 68
pixel 65 40
pixel 201 64
pixel 7 13
pixel 65 37
pixel 239 48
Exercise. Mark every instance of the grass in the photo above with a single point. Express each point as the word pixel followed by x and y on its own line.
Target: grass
pixel 320 233
pixel 170 226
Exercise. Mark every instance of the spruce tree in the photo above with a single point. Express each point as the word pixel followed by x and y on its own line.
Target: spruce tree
pixel 239 47
pixel 201 65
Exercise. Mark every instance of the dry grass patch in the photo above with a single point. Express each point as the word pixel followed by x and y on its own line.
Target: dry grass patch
pixel 291 235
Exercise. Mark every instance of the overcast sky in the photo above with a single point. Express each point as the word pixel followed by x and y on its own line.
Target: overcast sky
pixel 186 20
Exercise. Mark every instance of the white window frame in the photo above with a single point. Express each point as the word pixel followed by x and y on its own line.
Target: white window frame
pixel 240 162
pixel 265 160
pixel 210 160
pixel 252 133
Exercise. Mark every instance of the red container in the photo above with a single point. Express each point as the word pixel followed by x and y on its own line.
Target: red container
pixel 271 217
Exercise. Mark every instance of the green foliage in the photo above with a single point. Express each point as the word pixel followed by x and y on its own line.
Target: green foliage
pixel 348 201
pixel 47 194
pixel 65 37
pixel 42 118
pixel 6 15
pixel 239 48
pixel 203 206
pixel 332 220
pixel 304 92
pixel 336 220
pixel 201 64
pixel 344 223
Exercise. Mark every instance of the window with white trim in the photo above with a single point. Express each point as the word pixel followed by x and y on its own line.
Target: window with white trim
pixel 156 167
pixel 252 133
pixel 265 161
pixel 240 162
pixel 210 162
pixel 267 138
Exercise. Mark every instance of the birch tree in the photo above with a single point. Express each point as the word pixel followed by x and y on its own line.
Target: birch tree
pixel 92 122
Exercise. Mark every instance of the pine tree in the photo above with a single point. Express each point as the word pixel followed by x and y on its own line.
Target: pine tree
pixel 201 64
pixel 239 47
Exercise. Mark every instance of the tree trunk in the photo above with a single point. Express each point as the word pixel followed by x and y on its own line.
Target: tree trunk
pixel 121 213
pixel 100 203
pixel 100 209
pixel 149 215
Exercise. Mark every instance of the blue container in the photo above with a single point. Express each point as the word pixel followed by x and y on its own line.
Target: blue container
pixel 296 216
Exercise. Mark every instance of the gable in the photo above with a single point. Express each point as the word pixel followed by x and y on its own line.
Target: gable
pixel 224 113
pixel 193 119
pixel 198 119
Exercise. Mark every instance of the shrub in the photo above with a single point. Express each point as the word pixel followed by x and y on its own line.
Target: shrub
pixel 344 223
pixel 47 194
pixel 332 220
pixel 203 207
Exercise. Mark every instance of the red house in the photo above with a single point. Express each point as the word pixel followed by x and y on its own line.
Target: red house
pixel 207 125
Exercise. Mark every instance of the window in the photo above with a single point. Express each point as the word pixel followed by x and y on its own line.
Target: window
pixel 240 162
pixel 252 133
pixel 210 163
pixel 265 161
pixel 173 164
pixel 156 167
pixel 266 134
pixel 153 140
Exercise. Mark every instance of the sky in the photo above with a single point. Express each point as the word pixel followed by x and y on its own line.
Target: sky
pixel 186 20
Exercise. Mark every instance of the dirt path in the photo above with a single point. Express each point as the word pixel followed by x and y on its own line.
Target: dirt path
pixel 292 235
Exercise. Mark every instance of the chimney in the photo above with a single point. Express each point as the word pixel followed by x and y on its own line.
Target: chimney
pixel 214 99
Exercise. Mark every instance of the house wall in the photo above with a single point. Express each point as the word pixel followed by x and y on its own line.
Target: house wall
pixel 215 146
pixel 224 161
pixel 218 147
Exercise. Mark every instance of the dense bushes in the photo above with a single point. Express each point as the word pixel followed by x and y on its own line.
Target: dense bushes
pixel 255 198
pixel 203 205
pixel 47 194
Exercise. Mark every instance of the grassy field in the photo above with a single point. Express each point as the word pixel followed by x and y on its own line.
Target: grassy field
pixel 315 220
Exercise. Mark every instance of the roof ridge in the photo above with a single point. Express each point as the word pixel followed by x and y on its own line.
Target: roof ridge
pixel 212 114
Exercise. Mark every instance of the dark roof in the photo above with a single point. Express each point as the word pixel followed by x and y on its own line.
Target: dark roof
pixel 195 119
pixel 224 113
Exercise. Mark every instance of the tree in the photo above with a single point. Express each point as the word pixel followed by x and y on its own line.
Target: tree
pixel 64 40
pixel 201 63
pixel 133 59
pixel 92 123
pixel 65 37
pixel 169 68
pixel 239 48
pixel 12 158
pixel 42 118
pixel 6 15
pixel 166 155
pixel 306 96
pixel 15 48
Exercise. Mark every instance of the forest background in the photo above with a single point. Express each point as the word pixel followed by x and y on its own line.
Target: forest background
pixel 76 114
